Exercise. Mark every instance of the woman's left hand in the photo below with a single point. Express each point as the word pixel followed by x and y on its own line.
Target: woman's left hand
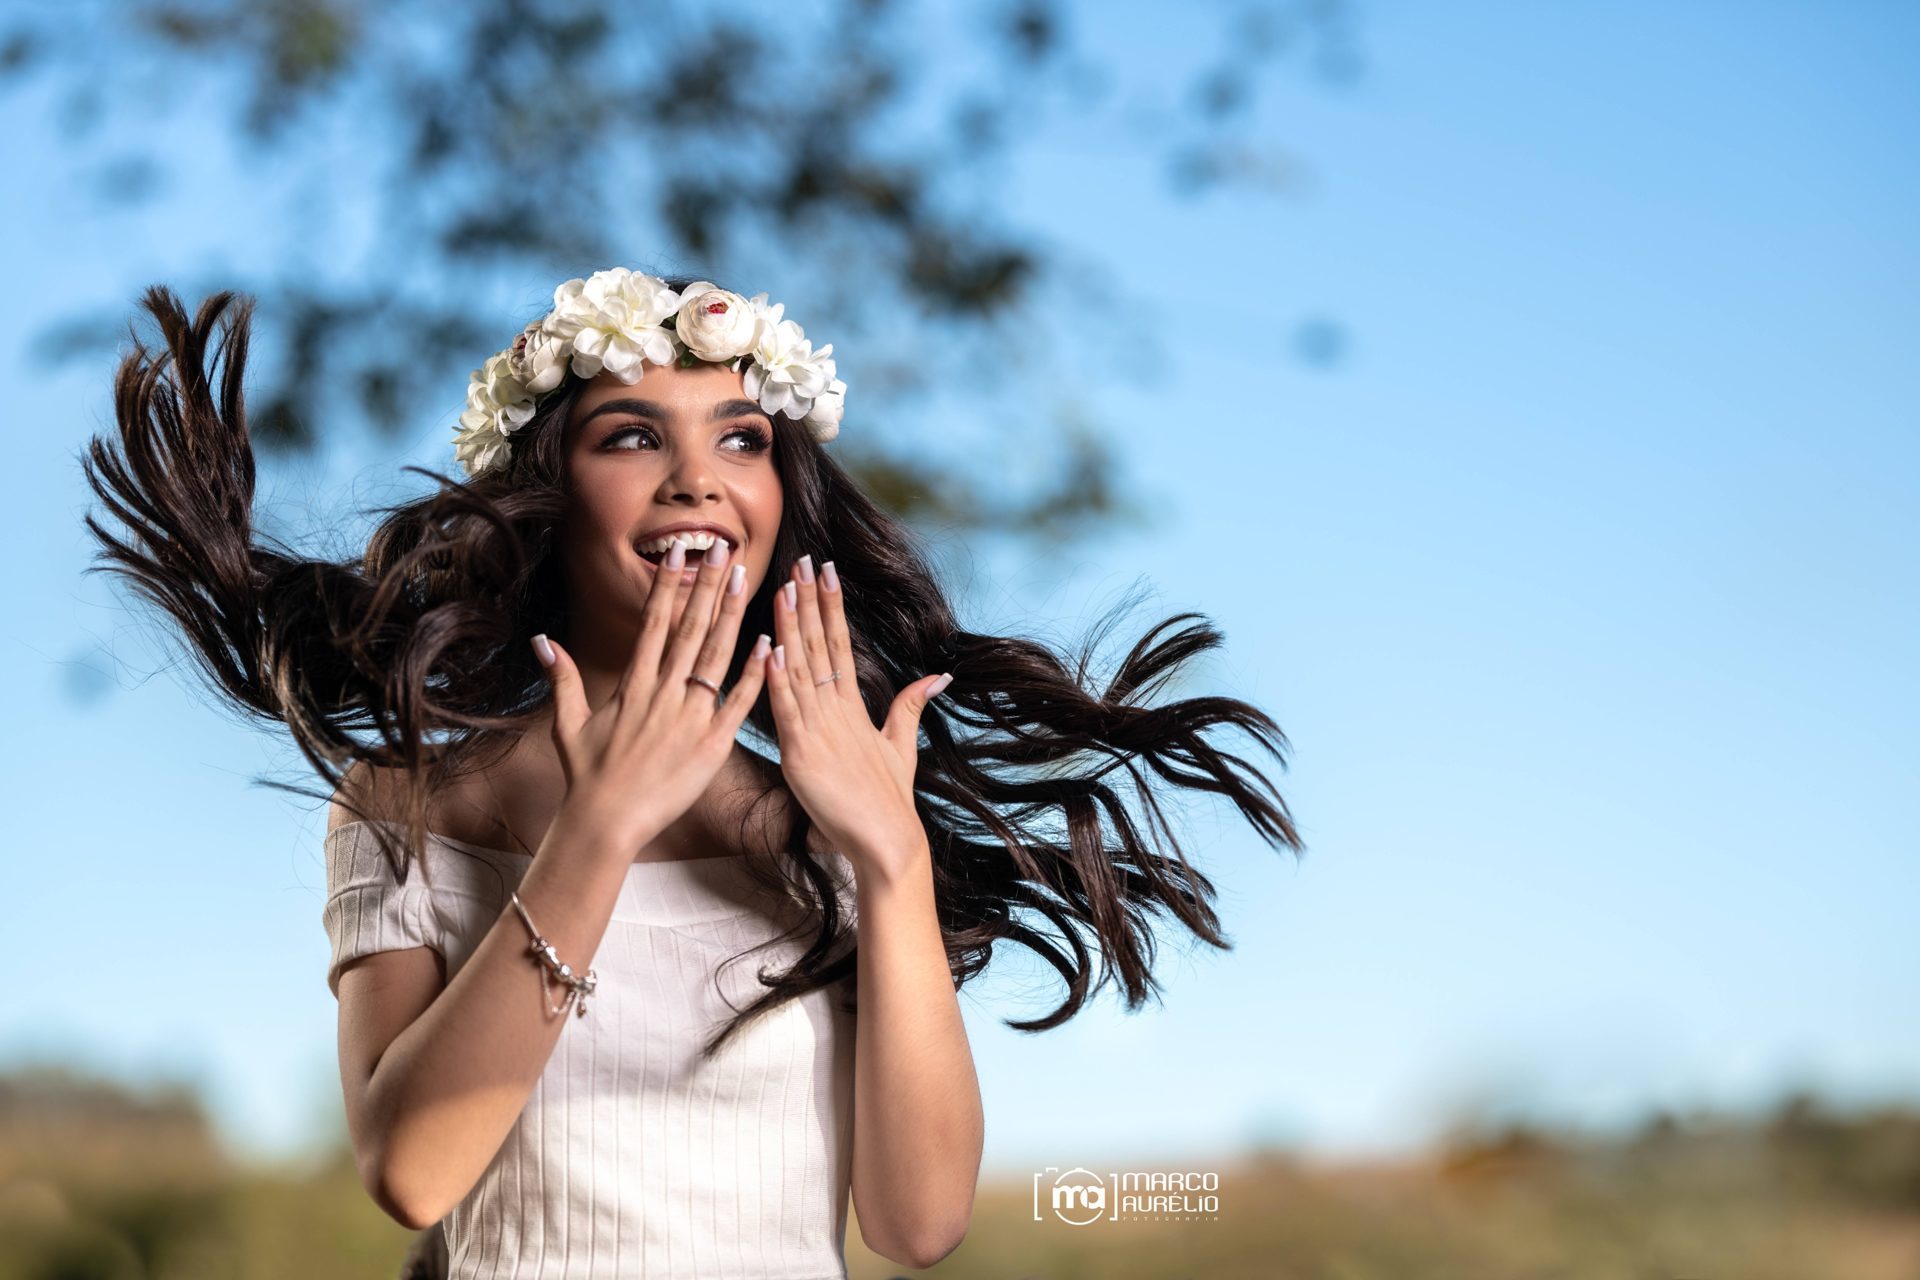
pixel 854 780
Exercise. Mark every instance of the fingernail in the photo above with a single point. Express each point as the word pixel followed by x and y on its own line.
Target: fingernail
pixel 792 593
pixel 806 568
pixel 719 551
pixel 544 649
pixel 737 579
pixel 780 656
pixel 940 684
pixel 677 555
pixel 760 646
pixel 828 577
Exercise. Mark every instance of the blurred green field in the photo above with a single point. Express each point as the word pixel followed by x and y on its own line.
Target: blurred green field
pixel 98 1182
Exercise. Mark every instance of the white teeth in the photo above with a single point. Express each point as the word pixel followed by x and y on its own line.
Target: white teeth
pixel 698 540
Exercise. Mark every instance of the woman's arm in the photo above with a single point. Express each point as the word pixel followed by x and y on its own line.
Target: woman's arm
pixel 918 1127
pixel 443 1095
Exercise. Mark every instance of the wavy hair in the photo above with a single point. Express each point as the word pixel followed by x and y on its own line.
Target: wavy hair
pixel 415 657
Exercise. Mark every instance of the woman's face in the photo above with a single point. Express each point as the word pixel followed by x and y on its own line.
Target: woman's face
pixel 678 445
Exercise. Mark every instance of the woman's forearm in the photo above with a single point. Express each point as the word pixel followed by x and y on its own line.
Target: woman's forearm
pixel 447 1091
pixel 918 1127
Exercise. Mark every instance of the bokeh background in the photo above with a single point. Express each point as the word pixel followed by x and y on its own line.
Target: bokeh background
pixel 1526 392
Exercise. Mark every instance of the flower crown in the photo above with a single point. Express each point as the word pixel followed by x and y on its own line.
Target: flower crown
pixel 617 320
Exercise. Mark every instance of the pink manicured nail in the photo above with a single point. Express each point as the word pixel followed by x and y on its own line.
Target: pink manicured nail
pixel 780 656
pixel 760 646
pixel 806 568
pixel 828 577
pixel 940 684
pixel 792 592
pixel 544 648
pixel 736 579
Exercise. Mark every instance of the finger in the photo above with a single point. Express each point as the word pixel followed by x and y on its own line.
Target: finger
pixel 786 711
pixel 833 620
pixel 695 620
pixel 716 655
pixel 813 633
pixel 570 709
pixel 909 705
pixel 643 668
pixel 786 621
pixel 746 690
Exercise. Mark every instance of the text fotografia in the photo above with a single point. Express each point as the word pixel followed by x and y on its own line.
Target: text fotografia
pixel 1080 1197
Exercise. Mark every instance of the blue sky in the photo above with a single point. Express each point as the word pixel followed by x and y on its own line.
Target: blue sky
pixel 1582 580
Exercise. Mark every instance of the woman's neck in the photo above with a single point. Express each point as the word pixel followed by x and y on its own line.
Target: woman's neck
pixel 511 804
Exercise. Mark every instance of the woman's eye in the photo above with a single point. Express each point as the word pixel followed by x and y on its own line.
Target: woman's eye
pixel 756 439
pixel 622 434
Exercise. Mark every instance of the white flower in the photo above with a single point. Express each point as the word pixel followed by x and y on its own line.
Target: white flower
pixel 540 358
pixel 771 314
pixel 828 406
pixel 786 373
pixel 480 453
pixel 498 404
pixel 496 399
pixel 716 324
pixel 614 320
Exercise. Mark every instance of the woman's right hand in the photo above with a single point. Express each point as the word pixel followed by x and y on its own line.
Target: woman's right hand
pixel 642 759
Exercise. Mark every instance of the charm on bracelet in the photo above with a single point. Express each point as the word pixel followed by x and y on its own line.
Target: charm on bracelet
pixel 579 986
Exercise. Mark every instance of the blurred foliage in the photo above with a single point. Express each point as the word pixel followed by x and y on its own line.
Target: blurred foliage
pixel 820 152
pixel 97 1181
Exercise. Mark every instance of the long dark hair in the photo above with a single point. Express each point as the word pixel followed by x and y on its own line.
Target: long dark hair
pixel 415 657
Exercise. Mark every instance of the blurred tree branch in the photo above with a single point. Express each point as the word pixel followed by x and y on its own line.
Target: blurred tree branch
pixel 503 141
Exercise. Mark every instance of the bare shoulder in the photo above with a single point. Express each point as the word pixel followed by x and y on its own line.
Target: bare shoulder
pixel 366 791
pixel 486 806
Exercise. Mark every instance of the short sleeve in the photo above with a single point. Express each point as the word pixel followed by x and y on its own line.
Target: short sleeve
pixel 368 908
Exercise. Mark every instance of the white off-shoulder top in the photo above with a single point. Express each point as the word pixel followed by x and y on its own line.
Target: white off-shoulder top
pixel 632 1158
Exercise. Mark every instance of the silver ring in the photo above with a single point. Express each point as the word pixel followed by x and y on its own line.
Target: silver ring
pixel 719 695
pixel 826 679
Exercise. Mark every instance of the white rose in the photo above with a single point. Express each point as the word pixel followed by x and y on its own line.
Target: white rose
pixel 716 324
pixel 540 359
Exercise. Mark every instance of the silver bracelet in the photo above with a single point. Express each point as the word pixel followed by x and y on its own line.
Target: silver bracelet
pixel 579 986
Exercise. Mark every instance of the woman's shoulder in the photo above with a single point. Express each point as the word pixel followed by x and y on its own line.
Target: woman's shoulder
pixel 486 807
pixel 365 791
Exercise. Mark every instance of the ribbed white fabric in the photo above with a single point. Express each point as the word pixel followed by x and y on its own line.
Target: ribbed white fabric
pixel 632 1158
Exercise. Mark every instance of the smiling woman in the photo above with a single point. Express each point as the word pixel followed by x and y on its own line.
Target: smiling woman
pixel 507 693
pixel 693 455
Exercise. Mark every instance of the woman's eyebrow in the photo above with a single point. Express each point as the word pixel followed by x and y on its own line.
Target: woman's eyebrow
pixel 652 409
